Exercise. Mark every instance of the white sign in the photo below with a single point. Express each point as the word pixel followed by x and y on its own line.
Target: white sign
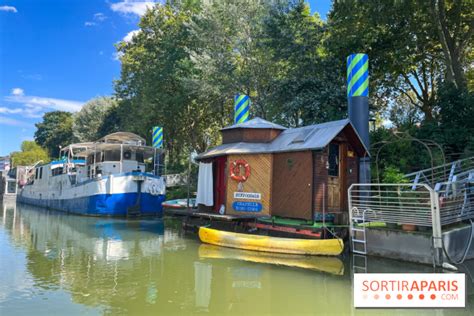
pixel 247 195
pixel 397 290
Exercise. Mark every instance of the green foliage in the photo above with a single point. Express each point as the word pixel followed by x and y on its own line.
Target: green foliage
pixel 182 69
pixel 110 123
pixel 30 153
pixel 392 174
pixel 456 123
pixel 308 84
pixel 453 132
pixel 89 120
pixel 412 45
pixel 54 131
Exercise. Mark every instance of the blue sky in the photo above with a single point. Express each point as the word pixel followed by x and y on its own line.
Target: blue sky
pixel 57 54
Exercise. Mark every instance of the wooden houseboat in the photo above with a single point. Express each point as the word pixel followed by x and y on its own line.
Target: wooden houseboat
pixel 267 170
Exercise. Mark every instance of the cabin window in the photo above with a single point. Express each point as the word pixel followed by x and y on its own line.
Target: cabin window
pixel 333 160
pixel 36 173
pixel 41 173
pixel 112 155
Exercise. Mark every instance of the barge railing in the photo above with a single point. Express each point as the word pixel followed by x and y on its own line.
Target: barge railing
pixel 412 204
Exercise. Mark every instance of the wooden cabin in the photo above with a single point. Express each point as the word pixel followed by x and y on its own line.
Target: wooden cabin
pixel 265 169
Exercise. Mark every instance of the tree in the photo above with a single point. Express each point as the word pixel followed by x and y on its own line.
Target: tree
pixel 111 122
pixel 453 21
pixel 30 153
pixel 308 87
pixel 89 119
pixel 407 43
pixel 54 131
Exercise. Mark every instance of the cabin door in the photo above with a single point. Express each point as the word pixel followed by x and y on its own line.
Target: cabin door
pixel 292 185
pixel 334 178
pixel 220 178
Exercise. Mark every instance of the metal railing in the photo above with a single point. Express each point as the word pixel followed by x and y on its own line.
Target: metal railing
pixel 441 173
pixel 451 202
pixel 456 200
pixel 393 203
pixel 399 203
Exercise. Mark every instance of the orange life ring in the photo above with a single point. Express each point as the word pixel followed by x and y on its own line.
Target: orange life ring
pixel 235 170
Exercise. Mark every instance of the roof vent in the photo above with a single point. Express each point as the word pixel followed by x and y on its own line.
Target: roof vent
pixel 303 135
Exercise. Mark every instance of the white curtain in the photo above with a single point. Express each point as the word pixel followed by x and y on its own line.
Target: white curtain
pixel 205 187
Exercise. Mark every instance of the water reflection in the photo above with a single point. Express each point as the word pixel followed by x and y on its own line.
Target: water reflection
pixel 111 266
pixel 332 265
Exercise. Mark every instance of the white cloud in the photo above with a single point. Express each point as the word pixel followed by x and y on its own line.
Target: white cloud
pixel 13 122
pixel 46 103
pixel 117 55
pixel 98 18
pixel 128 38
pixel 132 7
pixel 8 8
pixel 10 111
pixel 18 91
pixel 29 110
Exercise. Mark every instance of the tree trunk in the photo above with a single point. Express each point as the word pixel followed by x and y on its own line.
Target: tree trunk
pixel 451 52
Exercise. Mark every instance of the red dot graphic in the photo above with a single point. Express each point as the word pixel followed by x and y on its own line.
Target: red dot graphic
pixel 422 296
pixel 410 296
pixel 399 296
pixel 376 296
pixel 433 296
pixel 387 296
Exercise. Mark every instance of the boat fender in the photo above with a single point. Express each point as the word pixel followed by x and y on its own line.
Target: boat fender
pixel 222 209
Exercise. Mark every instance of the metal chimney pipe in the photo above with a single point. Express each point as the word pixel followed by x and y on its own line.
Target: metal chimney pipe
pixel 358 99
pixel 242 108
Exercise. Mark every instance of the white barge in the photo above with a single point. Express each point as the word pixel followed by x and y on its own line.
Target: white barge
pixel 118 175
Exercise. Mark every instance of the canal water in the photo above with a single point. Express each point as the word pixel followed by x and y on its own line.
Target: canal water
pixel 57 264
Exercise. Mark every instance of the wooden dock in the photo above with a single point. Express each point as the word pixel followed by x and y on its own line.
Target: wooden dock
pixel 209 216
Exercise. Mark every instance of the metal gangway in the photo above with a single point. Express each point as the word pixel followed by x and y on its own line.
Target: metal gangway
pixel 430 199
pixel 448 172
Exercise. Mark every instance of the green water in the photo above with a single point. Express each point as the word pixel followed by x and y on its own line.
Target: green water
pixel 57 264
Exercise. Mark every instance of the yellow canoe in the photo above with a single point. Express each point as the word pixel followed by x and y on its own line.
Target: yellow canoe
pixel 332 265
pixel 327 247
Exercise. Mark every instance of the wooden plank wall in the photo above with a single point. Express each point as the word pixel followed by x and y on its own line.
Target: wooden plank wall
pixel 250 135
pixel 292 185
pixel 260 181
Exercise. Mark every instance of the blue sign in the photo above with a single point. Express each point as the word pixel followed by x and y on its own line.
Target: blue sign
pixel 247 206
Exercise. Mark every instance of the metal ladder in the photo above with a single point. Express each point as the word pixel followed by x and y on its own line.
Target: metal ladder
pixel 362 240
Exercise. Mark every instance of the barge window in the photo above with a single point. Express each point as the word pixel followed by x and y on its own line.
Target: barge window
pixel 41 173
pixel 98 157
pixel 139 156
pixel 36 173
pixel 333 160
pixel 90 159
pixel 112 155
